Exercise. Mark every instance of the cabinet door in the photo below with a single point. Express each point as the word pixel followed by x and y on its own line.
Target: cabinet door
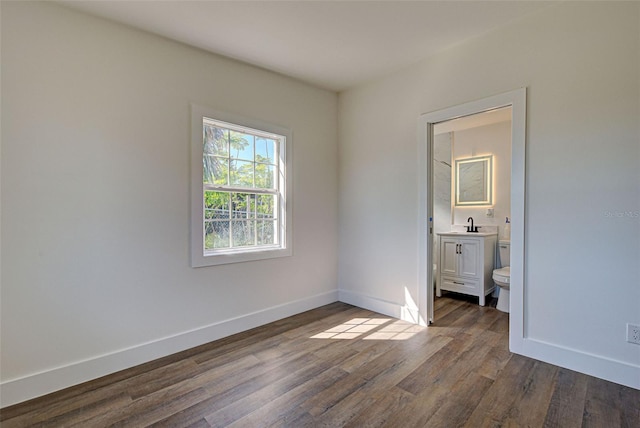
pixel 469 259
pixel 449 256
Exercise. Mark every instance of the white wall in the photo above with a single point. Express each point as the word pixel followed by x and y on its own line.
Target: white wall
pixel 95 197
pixel 580 63
pixel 495 140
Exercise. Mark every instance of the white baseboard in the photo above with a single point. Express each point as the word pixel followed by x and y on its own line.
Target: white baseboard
pixel 396 310
pixel 369 302
pixel 598 366
pixel 35 385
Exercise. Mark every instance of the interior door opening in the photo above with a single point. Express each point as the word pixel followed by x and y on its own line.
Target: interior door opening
pixel 471 175
pixel 516 101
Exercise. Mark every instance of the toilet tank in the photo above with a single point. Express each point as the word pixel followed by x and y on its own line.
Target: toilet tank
pixel 503 258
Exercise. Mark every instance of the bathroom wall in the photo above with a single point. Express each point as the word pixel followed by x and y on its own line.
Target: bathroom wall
pixel 442 146
pixel 493 139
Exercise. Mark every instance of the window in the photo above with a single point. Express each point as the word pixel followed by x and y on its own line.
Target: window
pixel 240 201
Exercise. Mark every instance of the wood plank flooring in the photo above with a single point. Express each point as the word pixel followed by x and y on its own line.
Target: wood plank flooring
pixel 341 366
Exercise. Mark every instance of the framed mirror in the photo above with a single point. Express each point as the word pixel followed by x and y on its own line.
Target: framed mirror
pixel 473 184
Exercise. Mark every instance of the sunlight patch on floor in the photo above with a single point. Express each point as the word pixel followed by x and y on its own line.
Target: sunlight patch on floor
pixel 398 330
pixel 352 328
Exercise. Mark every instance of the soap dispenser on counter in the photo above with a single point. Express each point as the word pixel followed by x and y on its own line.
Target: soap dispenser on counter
pixel 506 231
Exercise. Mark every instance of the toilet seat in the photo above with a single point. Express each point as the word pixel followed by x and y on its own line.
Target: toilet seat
pixel 502 275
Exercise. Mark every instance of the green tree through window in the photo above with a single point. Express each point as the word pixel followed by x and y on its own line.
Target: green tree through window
pixel 241 187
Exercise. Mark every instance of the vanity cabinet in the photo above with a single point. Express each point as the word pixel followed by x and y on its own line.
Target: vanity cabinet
pixel 466 263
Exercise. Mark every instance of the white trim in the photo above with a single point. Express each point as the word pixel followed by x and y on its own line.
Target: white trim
pixel 594 365
pixel 198 258
pixel 384 307
pixel 37 384
pixel 425 220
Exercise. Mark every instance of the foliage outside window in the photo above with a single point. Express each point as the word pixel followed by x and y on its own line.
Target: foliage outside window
pixel 242 176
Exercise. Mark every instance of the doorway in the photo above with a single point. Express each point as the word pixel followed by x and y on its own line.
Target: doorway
pixel 517 101
pixel 471 182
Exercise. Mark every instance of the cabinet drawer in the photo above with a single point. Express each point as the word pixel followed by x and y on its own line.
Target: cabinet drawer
pixel 460 285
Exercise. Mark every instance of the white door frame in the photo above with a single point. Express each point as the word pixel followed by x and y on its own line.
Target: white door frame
pixel 517 99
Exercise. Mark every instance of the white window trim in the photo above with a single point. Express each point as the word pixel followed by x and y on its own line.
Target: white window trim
pixel 198 257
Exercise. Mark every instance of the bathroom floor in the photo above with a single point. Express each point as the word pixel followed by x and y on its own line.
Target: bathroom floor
pixel 491 301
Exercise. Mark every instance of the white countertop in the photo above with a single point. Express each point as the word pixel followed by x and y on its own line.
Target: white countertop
pixel 470 234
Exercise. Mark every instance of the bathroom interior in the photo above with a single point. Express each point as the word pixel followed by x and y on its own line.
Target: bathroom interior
pixel 471 208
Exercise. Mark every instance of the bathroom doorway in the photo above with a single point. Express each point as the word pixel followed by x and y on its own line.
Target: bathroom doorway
pixel 516 101
pixel 470 145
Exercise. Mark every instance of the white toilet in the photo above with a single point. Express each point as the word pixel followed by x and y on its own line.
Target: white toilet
pixel 502 275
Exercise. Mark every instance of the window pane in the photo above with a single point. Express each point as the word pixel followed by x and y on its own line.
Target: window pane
pixel 216 234
pixel 265 206
pixel 243 195
pixel 216 205
pixel 241 145
pixel 266 232
pixel 216 141
pixel 243 233
pixel 265 150
pixel 244 205
pixel 215 170
pixel 264 176
pixel 241 173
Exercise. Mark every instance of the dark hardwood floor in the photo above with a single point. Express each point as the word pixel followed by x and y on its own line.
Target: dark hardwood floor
pixel 344 366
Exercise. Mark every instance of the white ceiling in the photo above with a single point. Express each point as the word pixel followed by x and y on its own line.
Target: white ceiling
pixel 331 44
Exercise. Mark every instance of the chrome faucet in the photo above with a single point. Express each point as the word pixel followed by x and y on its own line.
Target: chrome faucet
pixel 471 228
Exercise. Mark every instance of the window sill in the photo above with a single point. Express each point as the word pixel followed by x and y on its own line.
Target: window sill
pixel 215 259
